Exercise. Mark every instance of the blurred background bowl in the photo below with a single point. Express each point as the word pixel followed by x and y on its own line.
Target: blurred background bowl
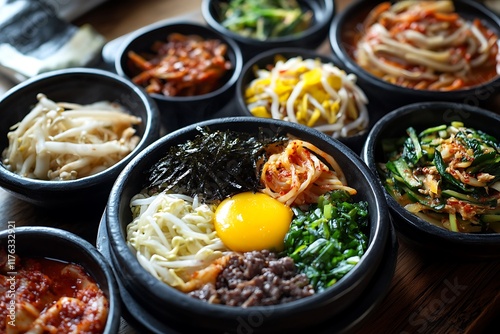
pixel 323 12
pixel 178 111
pixel 167 306
pixel 56 244
pixel 267 60
pixel 82 86
pixel 390 96
pixel 431 239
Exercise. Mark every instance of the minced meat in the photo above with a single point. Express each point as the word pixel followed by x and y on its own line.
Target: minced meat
pixel 256 278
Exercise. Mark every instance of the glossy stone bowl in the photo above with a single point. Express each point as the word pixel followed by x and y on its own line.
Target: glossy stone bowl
pixel 392 96
pixel 182 110
pixel 429 238
pixel 311 38
pixel 83 86
pixel 171 307
pixel 58 244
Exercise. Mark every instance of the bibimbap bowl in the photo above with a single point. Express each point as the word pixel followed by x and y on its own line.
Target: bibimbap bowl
pixel 408 44
pixel 429 235
pixel 179 311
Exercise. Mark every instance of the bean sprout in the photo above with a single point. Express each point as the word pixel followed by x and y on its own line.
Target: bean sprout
pixel 310 92
pixel 173 236
pixel 66 141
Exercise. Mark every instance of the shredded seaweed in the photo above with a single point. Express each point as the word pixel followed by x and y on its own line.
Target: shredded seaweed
pixel 213 165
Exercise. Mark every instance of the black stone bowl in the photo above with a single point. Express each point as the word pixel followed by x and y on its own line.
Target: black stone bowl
pixel 391 96
pixel 80 86
pixel 58 244
pixel 172 307
pixel 182 110
pixel 428 238
pixel 311 38
pixel 268 58
pixel 83 86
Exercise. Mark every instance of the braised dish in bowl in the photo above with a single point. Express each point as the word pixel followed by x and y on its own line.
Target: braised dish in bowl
pixel 439 164
pixel 421 50
pixel 54 281
pixel 231 241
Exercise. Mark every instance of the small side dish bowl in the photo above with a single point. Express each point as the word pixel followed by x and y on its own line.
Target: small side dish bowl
pixel 178 309
pixel 47 243
pixel 81 86
pixel 428 76
pixel 312 37
pixel 345 104
pixel 185 108
pixel 435 240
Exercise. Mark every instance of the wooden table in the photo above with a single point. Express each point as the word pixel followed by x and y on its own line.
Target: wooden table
pixel 426 295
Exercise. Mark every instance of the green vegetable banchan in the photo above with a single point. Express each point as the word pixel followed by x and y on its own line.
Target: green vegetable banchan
pixel 448 175
pixel 328 239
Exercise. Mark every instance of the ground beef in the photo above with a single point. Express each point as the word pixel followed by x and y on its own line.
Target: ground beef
pixel 256 278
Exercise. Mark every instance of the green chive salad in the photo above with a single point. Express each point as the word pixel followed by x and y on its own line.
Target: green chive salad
pixel 448 175
pixel 328 238
pixel 264 19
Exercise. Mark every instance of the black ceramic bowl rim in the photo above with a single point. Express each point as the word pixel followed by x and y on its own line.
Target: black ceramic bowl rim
pixel 283 40
pixel 138 34
pixel 69 239
pixel 143 279
pixel 288 52
pixel 15 181
pixel 388 121
pixel 335 37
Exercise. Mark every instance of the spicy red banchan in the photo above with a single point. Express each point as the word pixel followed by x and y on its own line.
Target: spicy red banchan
pixel 50 297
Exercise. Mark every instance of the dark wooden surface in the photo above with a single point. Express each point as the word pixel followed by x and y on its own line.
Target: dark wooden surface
pixel 426 295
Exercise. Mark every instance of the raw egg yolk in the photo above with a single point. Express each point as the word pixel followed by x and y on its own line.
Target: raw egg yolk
pixel 252 221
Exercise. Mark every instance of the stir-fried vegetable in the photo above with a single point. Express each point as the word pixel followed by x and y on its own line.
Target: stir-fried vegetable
pixel 327 240
pixel 309 92
pixel 263 19
pixel 233 166
pixel 448 175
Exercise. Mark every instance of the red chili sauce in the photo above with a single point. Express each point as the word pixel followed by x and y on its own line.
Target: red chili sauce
pixel 49 296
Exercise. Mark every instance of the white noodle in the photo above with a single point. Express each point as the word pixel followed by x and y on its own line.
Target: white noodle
pixel 392 55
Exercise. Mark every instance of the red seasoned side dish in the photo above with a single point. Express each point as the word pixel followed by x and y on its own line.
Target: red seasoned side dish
pixel 183 65
pixel 50 297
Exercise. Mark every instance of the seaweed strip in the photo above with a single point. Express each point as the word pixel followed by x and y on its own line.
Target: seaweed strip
pixel 214 164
